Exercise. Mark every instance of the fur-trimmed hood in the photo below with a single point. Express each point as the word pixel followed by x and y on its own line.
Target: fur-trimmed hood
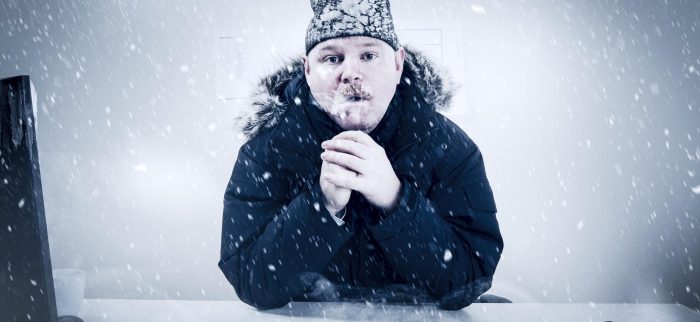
pixel 268 102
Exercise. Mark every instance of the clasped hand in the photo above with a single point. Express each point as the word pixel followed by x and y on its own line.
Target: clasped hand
pixel 353 161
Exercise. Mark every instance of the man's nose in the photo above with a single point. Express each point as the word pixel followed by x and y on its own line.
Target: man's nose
pixel 351 72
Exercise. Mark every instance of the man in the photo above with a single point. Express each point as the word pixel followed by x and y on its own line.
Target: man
pixel 351 186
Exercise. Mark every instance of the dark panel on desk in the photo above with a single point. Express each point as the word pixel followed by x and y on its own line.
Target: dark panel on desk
pixel 26 284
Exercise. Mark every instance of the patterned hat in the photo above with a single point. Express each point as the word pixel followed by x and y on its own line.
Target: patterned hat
pixel 343 18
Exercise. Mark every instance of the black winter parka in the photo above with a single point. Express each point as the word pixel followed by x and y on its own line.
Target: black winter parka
pixel 279 243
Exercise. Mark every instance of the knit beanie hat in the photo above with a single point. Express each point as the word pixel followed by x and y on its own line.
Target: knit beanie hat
pixel 343 18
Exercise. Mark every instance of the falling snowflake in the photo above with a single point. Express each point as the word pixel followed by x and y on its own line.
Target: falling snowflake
pixel 447 256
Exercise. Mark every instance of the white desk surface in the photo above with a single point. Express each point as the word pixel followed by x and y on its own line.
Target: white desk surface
pixel 94 310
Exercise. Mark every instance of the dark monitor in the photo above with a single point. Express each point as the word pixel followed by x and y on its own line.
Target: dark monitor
pixel 26 281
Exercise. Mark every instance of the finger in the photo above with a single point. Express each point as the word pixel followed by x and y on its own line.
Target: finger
pixel 347 146
pixel 357 136
pixel 346 160
pixel 335 168
pixel 341 180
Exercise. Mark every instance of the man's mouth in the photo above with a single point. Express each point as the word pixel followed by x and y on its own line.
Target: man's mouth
pixel 356 98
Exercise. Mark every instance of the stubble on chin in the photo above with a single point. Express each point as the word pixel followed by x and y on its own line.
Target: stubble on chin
pixel 351 122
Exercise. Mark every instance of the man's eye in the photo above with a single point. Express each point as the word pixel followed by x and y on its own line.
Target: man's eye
pixel 332 59
pixel 369 56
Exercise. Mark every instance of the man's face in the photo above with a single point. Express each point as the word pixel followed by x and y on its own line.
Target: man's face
pixel 353 79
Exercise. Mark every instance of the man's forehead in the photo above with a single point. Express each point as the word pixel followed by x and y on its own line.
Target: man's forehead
pixel 346 42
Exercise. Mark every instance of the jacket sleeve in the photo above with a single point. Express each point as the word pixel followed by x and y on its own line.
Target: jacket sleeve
pixel 270 239
pixel 447 242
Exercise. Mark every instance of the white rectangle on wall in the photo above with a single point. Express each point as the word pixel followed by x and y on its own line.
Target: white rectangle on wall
pixel 441 41
pixel 248 53
pixel 233 72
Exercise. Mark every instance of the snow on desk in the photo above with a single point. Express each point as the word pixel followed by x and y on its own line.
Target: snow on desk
pixel 171 310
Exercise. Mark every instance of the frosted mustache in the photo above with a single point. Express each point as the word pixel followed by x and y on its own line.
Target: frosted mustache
pixel 355 91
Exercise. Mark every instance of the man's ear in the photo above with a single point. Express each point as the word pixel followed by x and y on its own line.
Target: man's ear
pixel 399 58
pixel 306 65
